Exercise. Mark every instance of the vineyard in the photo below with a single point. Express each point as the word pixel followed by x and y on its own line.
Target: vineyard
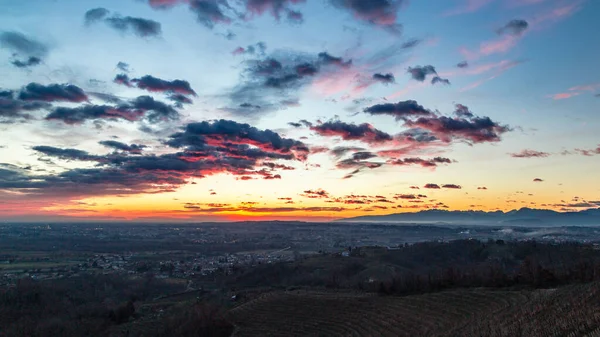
pixel 571 310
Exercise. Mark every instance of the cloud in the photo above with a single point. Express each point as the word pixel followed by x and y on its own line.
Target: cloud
pixel 179 100
pixel 399 110
pixel 95 15
pixel 434 162
pixel 432 186
pixel 437 79
pixel 514 27
pixel 452 186
pixel 141 107
pixel 154 84
pixel 316 194
pixel 125 24
pixel 199 135
pixel 275 7
pixel 327 59
pixel 468 6
pixel 384 78
pixel 210 12
pixel 577 90
pixel 22 45
pixel 66 154
pixel 482 188
pixel 124 67
pixel 53 93
pixel 133 148
pixel 253 49
pixel 363 132
pixel 463 64
pixel 589 152
pixel 270 83
pixel 30 62
pixel 529 154
pixel 12 109
pixel 381 13
pixel 340 151
pixel 538 180
pixel 472 129
pixel 203 149
pixel 419 73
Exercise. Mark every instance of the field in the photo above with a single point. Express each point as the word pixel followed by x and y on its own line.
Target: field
pixel 571 310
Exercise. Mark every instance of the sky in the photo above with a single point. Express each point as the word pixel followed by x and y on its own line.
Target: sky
pixel 226 110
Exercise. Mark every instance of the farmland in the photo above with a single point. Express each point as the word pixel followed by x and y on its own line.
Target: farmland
pixel 475 312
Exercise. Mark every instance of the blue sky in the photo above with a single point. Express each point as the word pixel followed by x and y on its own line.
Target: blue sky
pixel 530 66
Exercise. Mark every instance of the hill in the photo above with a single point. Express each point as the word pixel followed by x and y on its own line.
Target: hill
pixel 520 217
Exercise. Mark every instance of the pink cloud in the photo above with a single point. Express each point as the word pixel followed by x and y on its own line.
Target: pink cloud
pixel 556 14
pixel 564 95
pixel 575 91
pixel 501 45
pixel 468 6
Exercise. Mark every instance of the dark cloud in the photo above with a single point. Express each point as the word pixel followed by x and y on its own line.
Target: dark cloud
pixel 30 62
pixel 452 186
pixel 198 135
pixel 154 84
pixel 472 129
pixel 179 100
pixel 253 49
pixel 123 79
pixel 133 148
pixel 125 24
pixel 275 7
pixel 295 17
pixel 210 12
pixel 271 82
pixel 399 110
pixel 53 93
pixel 434 162
pixel 538 180
pixel 141 107
pixel 411 43
pixel 437 79
pixel 22 45
pixel 327 59
pixel 384 78
pixel 205 149
pixel 432 186
pixel 95 15
pixel 12 109
pixel 419 73
pixel 463 111
pixel 314 194
pixel 530 154
pixel 294 124
pixel 124 67
pixel 463 64
pixel 514 27
pixel 139 26
pixel 363 132
pixel 340 151
pixel 66 154
pixel 382 13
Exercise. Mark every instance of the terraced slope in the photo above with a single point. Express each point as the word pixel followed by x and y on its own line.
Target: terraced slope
pixel 304 313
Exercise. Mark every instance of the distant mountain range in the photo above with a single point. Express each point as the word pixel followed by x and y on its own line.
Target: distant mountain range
pixel 521 217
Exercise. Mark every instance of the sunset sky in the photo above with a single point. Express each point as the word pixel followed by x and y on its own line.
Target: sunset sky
pixel 218 110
